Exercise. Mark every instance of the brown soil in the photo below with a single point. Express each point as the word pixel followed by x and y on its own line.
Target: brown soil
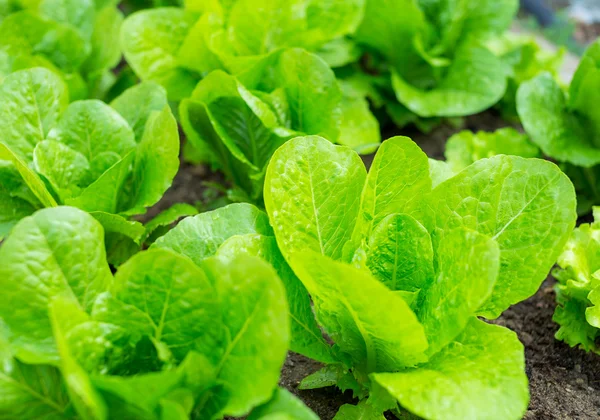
pixel 564 382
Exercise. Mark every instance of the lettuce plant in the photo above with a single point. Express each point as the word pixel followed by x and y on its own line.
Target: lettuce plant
pixel 242 120
pixel 177 47
pixel 525 59
pixel 163 338
pixel 245 84
pixel 77 39
pixel 578 288
pixel 113 161
pixel 434 54
pixel 243 229
pixel 466 147
pixel 566 125
pixel 399 271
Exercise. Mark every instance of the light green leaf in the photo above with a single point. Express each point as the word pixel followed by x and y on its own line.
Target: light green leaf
pixel 362 411
pixel 88 404
pixel 561 134
pixel 118 224
pixel 576 295
pixel 166 297
pixel 306 337
pixel 575 329
pixel 156 162
pixel 329 375
pixel 397 180
pixel 439 171
pixel 137 103
pixel 237 128
pixel 527 195
pixel 312 191
pixel 167 217
pixel 584 88
pixel 200 237
pixel 151 40
pixel 123 238
pixel 592 314
pixel 389 26
pixel 467 269
pixel 374 338
pixel 31 392
pixel 312 91
pixel 13 207
pixel 254 316
pixel 359 128
pixel 137 396
pixel 24 33
pixel 340 52
pixel 30 178
pixel 31 101
pixel 78 14
pixel 95 130
pixel 283 406
pixel 457 95
pixel 105 45
pixel 66 169
pixel 102 194
pixel 400 254
pixel 55 252
pixel 466 147
pixel 481 375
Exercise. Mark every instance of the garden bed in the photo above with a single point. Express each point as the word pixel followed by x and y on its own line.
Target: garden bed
pixel 564 382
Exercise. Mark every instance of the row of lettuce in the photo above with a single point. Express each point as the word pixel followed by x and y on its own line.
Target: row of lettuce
pixel 398 263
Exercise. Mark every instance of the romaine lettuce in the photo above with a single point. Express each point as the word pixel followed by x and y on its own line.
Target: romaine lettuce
pixel 162 338
pixel 578 288
pixel 433 51
pixel 112 161
pixel 398 271
pixel 566 125
pixel 76 39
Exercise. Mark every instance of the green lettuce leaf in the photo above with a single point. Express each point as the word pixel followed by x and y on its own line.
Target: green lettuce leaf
pixel 31 103
pixel 255 336
pixel 576 291
pixel 467 147
pixel 283 406
pixel 400 255
pixel 56 252
pixel 467 269
pixel 306 337
pixel 481 374
pixel 31 391
pixel 151 39
pixel 456 94
pixel 372 337
pixel 560 133
pixel 200 237
pixel 312 191
pixel 528 195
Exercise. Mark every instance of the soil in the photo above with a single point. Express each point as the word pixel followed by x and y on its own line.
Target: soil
pixel 564 382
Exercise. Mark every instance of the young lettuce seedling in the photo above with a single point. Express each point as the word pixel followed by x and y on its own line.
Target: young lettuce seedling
pixel 113 161
pixel 399 271
pixel 164 338
pixel 578 288
pixel 76 39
